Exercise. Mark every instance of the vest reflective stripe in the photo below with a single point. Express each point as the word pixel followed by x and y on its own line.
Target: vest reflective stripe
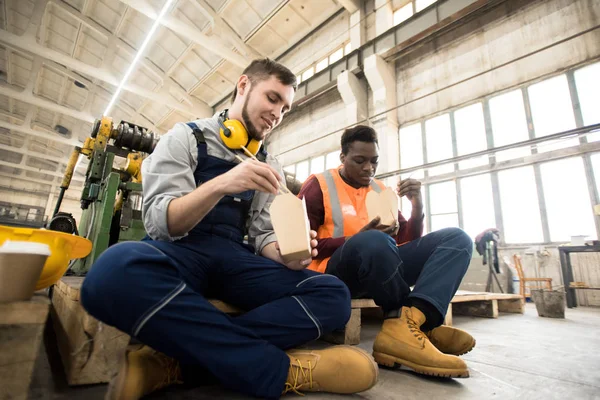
pixel 336 210
pixel 344 207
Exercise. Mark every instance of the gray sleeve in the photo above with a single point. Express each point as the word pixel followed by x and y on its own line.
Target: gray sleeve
pixel 168 173
pixel 260 231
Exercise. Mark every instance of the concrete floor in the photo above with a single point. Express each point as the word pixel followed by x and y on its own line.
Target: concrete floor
pixel 517 356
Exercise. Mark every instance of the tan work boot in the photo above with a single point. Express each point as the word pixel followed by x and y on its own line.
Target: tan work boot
pixel 451 340
pixel 401 342
pixel 338 369
pixel 142 372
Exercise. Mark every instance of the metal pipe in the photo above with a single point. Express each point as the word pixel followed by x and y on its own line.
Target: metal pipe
pixel 561 135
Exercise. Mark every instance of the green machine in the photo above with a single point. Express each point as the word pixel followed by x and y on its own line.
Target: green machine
pixel 111 198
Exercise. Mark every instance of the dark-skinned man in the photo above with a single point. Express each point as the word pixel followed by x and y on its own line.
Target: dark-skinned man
pixel 383 262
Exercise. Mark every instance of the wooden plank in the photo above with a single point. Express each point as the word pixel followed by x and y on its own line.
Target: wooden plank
pixel 511 306
pixel 363 303
pixel 21 335
pixel 71 286
pixel 90 350
pixel 464 296
pixel 483 308
pixel 351 334
pixel 34 311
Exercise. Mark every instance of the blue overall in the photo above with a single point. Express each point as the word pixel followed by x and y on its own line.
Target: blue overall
pixel 156 291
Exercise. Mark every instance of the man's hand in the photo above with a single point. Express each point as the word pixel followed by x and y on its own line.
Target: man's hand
pixel 374 224
pixel 301 264
pixel 411 188
pixel 249 175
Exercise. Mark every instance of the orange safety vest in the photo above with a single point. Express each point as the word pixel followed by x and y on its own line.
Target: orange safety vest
pixel 345 209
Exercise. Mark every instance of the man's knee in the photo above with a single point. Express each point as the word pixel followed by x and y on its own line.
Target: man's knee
pixel 460 241
pixel 371 242
pixel 103 280
pixel 333 298
pixel 459 238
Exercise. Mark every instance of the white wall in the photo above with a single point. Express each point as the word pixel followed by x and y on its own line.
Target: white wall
pixel 516 49
pixel 320 44
pixel 325 114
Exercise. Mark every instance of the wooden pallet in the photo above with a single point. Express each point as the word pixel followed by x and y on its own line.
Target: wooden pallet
pixel 90 350
pixel 484 304
pixel 21 333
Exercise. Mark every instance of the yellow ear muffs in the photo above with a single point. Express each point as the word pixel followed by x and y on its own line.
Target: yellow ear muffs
pixel 234 135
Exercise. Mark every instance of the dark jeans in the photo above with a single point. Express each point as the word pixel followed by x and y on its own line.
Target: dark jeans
pixel 373 266
pixel 157 292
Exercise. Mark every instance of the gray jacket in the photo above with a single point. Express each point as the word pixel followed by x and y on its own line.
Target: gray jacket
pixel 168 173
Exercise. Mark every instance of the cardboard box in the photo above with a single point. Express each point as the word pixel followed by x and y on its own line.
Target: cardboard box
pixel 290 222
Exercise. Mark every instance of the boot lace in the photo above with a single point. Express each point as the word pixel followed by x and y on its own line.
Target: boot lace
pixel 296 372
pixel 415 329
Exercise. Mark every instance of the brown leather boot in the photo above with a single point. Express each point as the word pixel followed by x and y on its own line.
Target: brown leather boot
pixel 142 372
pixel 401 342
pixel 451 340
pixel 338 369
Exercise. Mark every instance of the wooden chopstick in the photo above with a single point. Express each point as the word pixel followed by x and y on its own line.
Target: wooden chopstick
pixel 282 188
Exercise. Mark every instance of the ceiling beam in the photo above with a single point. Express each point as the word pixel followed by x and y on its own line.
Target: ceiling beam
pixel 190 33
pixel 351 5
pixel 170 87
pixel 29 45
pixel 29 98
pixel 54 187
pixel 40 134
pixel 39 170
pixel 224 30
pixel 27 152
pixel 23 177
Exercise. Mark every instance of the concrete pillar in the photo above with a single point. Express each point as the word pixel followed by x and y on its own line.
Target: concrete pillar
pixel 384 16
pixel 354 94
pixel 357 29
pixel 382 80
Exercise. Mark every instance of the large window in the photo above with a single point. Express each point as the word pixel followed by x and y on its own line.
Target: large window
pixel 520 206
pixel 552 111
pixel 470 134
pixel 509 124
pixel 595 158
pixel 533 186
pixel 411 146
pixel 302 171
pixel 332 160
pixel 439 143
pixel 317 165
pixel 587 81
pixel 403 13
pixel 477 204
pixel 443 204
pixel 420 5
pixel 567 199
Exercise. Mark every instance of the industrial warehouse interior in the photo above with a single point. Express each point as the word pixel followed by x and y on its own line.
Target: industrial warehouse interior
pixel 368 199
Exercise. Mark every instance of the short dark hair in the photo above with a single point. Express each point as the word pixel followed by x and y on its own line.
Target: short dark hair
pixel 359 133
pixel 262 69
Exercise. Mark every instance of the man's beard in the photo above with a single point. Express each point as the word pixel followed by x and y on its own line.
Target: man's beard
pixel 252 132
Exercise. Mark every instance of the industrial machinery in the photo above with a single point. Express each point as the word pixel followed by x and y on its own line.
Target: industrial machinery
pixel 111 198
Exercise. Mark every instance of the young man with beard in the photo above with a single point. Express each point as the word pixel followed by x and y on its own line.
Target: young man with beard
pixel 383 262
pixel 198 204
